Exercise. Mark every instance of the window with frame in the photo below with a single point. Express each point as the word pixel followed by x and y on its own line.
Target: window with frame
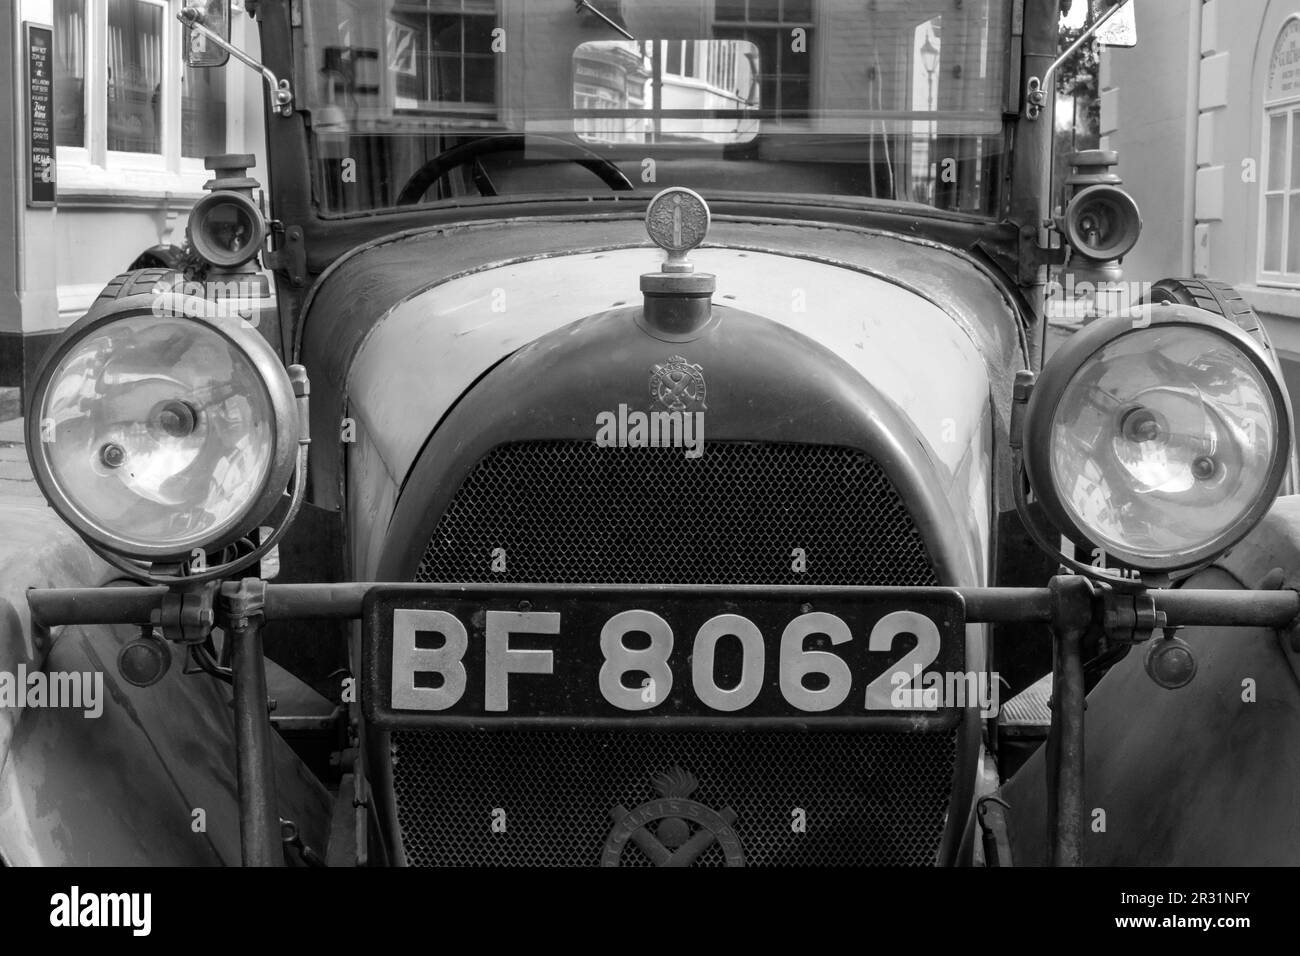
pixel 115 107
pixel 70 73
pixel 440 52
pixel 135 71
pixel 786 77
pixel 1279 258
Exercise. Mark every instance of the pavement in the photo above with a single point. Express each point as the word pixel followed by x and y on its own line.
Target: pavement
pixel 15 475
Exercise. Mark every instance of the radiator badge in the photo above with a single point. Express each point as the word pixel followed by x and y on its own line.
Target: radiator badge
pixel 678 385
pixel 684 829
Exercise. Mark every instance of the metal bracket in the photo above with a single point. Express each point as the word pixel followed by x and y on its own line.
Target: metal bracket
pixel 242 601
pixel 1131 618
pixel 280 91
pixel 1033 256
pixel 1036 89
pixel 290 254
pixel 187 617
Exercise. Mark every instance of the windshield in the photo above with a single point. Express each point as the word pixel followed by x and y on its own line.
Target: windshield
pixel 422 101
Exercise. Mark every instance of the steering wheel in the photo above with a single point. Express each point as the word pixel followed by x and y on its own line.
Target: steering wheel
pixel 449 159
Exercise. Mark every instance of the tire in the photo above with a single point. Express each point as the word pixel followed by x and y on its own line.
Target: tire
pixel 137 282
pixel 1222 299
pixel 160 257
pixel 1219 298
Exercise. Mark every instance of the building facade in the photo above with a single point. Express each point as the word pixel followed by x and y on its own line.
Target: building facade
pixel 128 125
pixel 1205 113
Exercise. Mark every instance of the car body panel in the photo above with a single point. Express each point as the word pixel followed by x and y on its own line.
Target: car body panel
pixel 121 788
pixel 366 290
pixel 435 345
pixel 1218 760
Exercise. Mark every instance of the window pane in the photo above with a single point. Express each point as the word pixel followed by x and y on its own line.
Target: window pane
pixel 1273 233
pixel 135 76
pixel 1295 152
pixel 1293 236
pixel 729 10
pixel 765 10
pixel 795 97
pixel 796 10
pixel 446 83
pixel 203 113
pixel 478 35
pixel 70 72
pixel 673 62
pixel 461 67
pixel 1277 151
pixel 480 79
pixel 796 64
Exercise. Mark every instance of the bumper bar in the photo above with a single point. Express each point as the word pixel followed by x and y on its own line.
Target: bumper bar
pixel 1070 606
pixel 1184 608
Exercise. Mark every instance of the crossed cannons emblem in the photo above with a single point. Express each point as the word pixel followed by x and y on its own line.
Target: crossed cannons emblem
pixel 677 384
pixel 672 843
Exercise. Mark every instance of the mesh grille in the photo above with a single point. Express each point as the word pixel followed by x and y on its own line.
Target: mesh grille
pixel 572 512
pixel 575 513
pixel 869 798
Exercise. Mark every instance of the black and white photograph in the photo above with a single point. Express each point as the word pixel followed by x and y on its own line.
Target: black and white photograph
pixel 796 434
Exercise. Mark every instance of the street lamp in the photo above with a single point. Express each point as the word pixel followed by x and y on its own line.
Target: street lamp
pixel 930 60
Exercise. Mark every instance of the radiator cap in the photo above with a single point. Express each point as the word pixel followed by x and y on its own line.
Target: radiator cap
pixel 678 300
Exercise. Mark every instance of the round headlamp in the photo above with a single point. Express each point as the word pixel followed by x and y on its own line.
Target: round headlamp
pixel 226 228
pixel 1161 436
pixel 156 435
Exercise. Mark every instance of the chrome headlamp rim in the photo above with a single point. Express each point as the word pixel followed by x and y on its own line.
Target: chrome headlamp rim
pixel 277 390
pixel 1059 373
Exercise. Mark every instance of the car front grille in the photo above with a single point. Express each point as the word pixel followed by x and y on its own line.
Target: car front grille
pixel 573 512
pixel 864 798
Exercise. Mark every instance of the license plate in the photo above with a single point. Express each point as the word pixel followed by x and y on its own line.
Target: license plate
pixel 481 654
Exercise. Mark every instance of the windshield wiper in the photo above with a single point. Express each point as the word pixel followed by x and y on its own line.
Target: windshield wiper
pixel 581 5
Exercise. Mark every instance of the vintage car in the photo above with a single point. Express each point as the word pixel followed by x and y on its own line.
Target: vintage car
pixel 646 457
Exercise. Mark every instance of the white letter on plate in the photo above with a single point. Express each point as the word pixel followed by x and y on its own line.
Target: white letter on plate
pixel 501 661
pixel 408 660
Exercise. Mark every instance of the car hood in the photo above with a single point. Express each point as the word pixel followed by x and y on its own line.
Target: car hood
pixel 396 332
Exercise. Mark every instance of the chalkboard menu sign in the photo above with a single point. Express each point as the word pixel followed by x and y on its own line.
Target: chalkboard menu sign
pixel 40 115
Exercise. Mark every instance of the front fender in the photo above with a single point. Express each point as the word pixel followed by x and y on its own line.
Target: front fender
pixel 1206 775
pixel 36 550
pixel 122 788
